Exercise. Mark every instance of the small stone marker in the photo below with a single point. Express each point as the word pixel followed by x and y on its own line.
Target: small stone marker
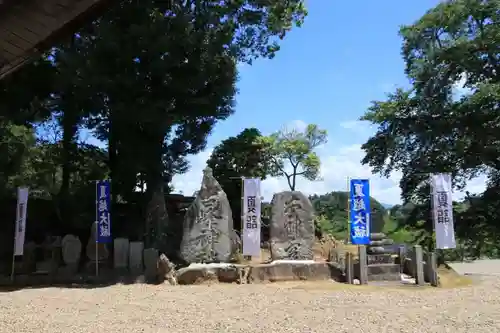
pixel 121 249
pixel 135 257
pixel 71 251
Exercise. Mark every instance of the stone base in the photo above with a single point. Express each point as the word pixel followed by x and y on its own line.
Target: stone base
pixel 273 272
pixel 194 274
pixel 290 271
pixel 384 272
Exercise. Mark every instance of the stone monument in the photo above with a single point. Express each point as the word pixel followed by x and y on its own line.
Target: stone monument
pixel 292 227
pixel 71 252
pixel 99 255
pixel 381 263
pixel 208 224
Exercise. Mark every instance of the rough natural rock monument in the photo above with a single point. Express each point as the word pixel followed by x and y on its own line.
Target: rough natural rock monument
pixel 292 227
pixel 208 224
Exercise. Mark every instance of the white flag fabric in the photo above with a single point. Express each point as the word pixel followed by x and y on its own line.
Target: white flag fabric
pixel 251 217
pixel 442 211
pixel 22 204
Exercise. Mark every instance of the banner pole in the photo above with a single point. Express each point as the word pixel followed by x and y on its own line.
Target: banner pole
pixel 96 249
pixel 14 246
pixel 13 258
pixel 96 228
pixel 348 239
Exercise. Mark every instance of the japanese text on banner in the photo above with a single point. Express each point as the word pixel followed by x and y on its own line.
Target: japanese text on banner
pixel 359 198
pixel 20 230
pixel 251 217
pixel 103 216
pixel 442 211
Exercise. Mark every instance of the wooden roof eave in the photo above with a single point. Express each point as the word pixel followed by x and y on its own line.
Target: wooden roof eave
pixel 30 27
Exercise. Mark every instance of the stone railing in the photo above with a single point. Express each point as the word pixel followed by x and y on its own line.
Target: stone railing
pixel 422 267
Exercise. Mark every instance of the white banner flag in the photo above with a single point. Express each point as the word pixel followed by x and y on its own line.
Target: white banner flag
pixel 442 211
pixel 251 217
pixel 22 205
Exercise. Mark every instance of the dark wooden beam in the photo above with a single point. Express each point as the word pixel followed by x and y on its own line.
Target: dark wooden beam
pixel 29 27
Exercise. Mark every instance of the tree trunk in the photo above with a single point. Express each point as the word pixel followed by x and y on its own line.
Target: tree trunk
pixel 156 210
pixel 70 128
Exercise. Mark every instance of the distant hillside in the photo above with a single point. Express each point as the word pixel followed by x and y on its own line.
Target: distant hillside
pixel 387 206
pixel 333 207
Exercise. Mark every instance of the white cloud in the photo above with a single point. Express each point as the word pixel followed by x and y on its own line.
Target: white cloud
pixel 338 164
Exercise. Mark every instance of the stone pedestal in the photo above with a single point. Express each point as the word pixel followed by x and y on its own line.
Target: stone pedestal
pixel 380 260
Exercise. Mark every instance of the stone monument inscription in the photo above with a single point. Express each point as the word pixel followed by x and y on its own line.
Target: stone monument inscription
pixel 292 227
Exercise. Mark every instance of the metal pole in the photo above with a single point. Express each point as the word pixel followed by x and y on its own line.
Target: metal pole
pixel 96 249
pixel 13 262
pixel 96 227
pixel 14 247
pixel 348 240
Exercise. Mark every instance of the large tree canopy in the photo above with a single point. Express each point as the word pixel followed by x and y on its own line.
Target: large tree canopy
pixel 428 128
pixel 432 127
pixel 150 79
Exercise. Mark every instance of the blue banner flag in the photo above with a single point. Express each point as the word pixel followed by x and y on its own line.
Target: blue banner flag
pixel 359 209
pixel 103 216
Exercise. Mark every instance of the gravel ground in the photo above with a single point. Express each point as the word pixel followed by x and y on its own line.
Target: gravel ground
pixel 289 307
pixel 480 267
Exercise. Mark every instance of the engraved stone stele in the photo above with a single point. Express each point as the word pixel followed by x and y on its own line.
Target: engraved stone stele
pixel 71 249
pixel 102 253
pixel 292 227
pixel 208 224
pixel 121 248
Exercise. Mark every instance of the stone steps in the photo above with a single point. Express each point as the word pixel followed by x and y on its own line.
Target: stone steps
pixel 384 272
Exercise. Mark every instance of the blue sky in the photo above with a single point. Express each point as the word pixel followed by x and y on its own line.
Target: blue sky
pixel 346 54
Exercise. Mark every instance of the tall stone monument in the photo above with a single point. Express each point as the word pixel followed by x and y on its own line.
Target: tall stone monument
pixel 208 224
pixel 292 227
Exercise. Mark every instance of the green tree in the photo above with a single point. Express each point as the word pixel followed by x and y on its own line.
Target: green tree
pixel 332 208
pixel 172 78
pixel 23 97
pixel 429 128
pixel 296 148
pixel 236 157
